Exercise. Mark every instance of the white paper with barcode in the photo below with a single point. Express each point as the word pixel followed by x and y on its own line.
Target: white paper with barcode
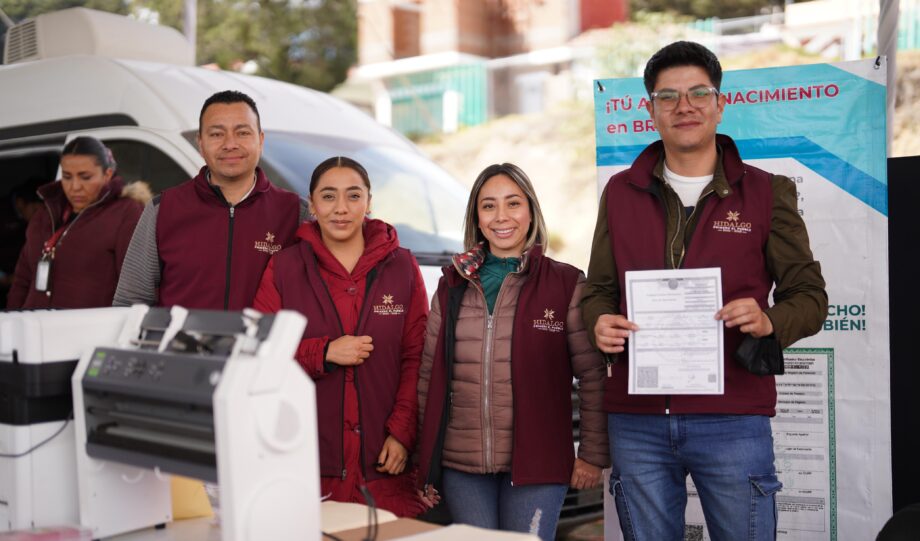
pixel 678 348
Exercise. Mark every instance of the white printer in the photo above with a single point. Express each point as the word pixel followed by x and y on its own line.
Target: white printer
pixel 38 352
pixel 211 395
pixel 206 394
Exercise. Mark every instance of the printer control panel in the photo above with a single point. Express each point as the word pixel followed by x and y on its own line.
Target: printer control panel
pixel 137 371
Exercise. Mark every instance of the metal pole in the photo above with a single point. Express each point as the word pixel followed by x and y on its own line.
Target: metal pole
pixel 888 46
pixel 190 24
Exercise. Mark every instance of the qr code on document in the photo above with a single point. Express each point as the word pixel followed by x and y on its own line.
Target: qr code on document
pixel 647 377
pixel 693 532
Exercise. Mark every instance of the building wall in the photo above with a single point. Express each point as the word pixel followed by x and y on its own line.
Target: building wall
pixel 476 27
pixel 439 25
pixel 603 13
pixel 375 32
pixel 487 28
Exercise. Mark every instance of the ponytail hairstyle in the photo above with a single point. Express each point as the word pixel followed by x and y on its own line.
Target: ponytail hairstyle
pixel 339 161
pixel 90 146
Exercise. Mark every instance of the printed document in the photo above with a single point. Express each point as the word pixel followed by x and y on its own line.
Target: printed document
pixel 678 348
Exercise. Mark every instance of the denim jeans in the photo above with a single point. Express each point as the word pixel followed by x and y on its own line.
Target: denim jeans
pixel 490 501
pixel 729 458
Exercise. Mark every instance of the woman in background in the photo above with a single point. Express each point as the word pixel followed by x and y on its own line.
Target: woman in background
pixel 75 246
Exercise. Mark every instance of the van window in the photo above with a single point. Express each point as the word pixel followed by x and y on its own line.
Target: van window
pixel 424 203
pixel 139 161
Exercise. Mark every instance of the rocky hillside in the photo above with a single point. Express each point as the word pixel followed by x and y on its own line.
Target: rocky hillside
pixel 556 149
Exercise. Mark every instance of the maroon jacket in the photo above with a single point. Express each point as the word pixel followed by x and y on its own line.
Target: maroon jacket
pixel 382 297
pixel 88 257
pixel 213 255
pixel 543 449
pixel 735 244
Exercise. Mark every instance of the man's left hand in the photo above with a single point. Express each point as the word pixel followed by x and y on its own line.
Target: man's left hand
pixel 746 314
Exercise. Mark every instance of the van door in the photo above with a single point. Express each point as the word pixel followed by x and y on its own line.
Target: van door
pixel 160 160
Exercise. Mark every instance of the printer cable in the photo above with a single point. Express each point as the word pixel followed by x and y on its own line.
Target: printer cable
pixel 371 514
pixel 36 446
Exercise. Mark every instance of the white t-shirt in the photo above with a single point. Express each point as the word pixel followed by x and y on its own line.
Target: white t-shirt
pixel 687 188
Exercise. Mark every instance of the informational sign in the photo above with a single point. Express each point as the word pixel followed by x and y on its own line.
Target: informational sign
pixel 823 126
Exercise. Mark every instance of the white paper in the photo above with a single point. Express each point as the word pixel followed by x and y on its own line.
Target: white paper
pixel 678 348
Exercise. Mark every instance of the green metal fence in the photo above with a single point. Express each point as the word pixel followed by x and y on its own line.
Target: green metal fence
pixel 418 99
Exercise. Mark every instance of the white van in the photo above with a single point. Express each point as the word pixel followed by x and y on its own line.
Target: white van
pixel 133 85
pixel 147 113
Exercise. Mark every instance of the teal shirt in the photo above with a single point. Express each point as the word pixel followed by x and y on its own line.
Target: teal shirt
pixel 492 273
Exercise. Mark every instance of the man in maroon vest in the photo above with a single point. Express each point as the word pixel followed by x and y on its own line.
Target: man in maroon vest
pixel 205 243
pixel 677 207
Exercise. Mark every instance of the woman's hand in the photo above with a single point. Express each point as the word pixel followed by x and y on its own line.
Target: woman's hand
pixel 392 457
pixel 429 497
pixel 349 350
pixel 585 475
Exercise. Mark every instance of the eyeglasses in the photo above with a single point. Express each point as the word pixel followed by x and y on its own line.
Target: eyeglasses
pixel 698 96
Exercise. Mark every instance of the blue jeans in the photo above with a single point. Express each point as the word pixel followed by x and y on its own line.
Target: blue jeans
pixel 490 501
pixel 729 458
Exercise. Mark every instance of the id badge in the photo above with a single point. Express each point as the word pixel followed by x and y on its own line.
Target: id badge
pixel 41 274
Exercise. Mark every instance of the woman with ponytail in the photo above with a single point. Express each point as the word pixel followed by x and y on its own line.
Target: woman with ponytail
pixel 75 246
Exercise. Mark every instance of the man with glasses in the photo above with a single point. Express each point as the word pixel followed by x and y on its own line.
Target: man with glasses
pixel 688 201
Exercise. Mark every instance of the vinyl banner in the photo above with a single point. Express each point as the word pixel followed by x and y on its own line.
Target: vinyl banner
pixel 823 126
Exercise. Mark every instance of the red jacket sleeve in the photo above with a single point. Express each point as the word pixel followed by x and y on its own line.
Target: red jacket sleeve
pixel 310 352
pixel 403 421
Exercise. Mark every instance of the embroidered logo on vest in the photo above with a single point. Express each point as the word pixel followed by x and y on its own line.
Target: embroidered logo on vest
pixel 548 323
pixel 388 308
pixel 268 245
pixel 732 224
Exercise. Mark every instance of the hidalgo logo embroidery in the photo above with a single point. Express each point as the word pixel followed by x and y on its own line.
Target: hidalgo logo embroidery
pixel 388 308
pixel 268 245
pixel 549 323
pixel 732 224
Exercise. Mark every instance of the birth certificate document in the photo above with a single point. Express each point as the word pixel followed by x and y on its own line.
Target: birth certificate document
pixel 678 348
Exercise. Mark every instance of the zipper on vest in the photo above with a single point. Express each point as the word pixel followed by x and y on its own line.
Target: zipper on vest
pixel 341 333
pixel 487 375
pixel 677 233
pixel 344 469
pixel 229 257
pixel 368 282
pixel 360 428
pixel 486 393
pixel 683 248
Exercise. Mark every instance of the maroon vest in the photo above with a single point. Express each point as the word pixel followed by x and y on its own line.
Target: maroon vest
pixel 383 315
pixel 210 258
pixel 731 233
pixel 543 450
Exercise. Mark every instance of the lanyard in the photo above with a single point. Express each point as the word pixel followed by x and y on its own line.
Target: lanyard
pixel 52 242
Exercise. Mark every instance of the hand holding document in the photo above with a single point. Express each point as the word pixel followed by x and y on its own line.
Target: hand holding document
pixel 679 349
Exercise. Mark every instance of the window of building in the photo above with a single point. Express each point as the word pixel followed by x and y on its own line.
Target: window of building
pixel 407 30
